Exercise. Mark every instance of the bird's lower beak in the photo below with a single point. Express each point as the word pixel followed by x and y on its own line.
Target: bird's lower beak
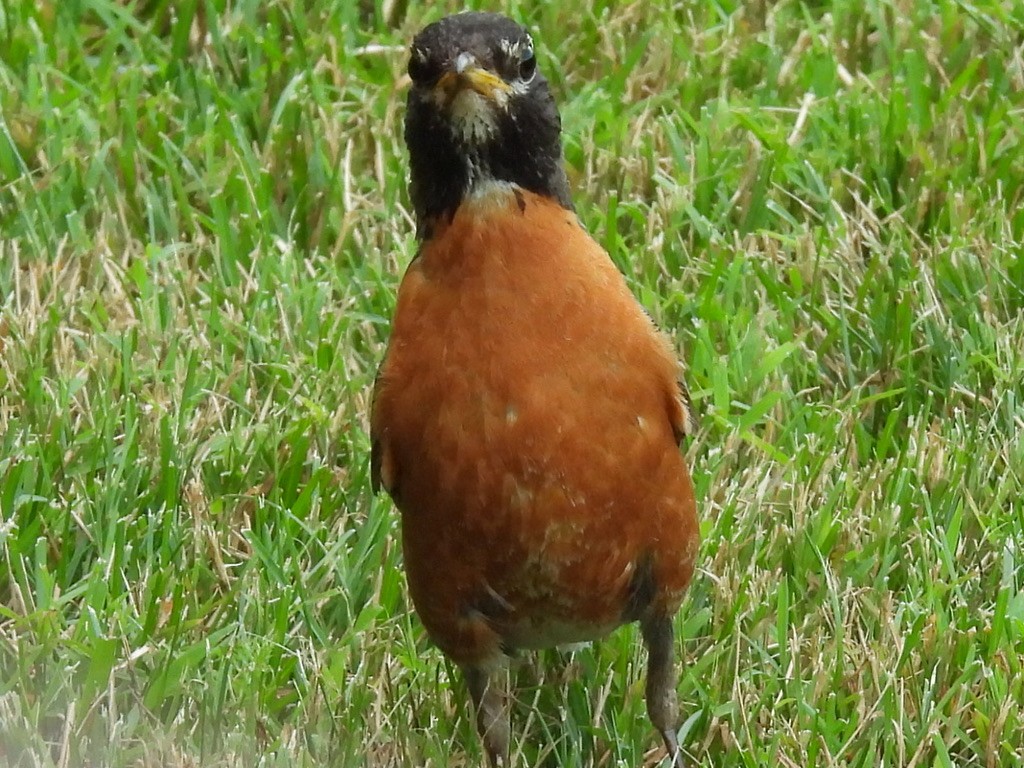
pixel 476 79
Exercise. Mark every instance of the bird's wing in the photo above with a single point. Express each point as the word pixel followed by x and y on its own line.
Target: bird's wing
pixel 376 446
pixel 684 421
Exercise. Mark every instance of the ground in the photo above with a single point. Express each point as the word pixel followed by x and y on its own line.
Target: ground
pixel 204 219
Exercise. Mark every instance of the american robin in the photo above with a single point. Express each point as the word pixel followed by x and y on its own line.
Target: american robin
pixel 527 416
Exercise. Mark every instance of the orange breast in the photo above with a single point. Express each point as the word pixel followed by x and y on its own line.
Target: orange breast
pixel 525 413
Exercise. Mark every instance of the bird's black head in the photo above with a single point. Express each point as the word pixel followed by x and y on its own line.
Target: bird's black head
pixel 479 112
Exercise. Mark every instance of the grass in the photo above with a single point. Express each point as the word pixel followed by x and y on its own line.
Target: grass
pixel 204 219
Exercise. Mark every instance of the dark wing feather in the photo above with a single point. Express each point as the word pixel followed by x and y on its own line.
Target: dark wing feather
pixel 687 425
pixel 376 449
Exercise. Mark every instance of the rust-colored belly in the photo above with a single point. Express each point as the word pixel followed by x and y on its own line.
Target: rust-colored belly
pixel 525 409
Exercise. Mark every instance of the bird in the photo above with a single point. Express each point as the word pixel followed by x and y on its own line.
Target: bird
pixel 527 415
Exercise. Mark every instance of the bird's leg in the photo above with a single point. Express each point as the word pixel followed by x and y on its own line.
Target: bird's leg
pixel 491 718
pixel 661 683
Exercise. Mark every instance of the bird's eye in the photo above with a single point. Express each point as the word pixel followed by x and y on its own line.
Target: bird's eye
pixel 420 69
pixel 527 64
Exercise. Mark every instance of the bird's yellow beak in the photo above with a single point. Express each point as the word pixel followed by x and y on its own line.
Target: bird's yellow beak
pixel 473 78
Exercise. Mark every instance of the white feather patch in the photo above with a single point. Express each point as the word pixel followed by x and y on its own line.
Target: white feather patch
pixel 472 116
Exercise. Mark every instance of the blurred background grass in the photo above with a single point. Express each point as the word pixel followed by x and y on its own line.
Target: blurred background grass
pixel 203 219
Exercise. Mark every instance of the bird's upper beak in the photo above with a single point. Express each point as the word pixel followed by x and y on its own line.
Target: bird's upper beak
pixel 464 75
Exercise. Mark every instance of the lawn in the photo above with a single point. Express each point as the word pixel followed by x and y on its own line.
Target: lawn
pixel 203 221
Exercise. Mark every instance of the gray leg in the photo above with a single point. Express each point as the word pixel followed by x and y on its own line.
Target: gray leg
pixel 661 683
pixel 491 718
